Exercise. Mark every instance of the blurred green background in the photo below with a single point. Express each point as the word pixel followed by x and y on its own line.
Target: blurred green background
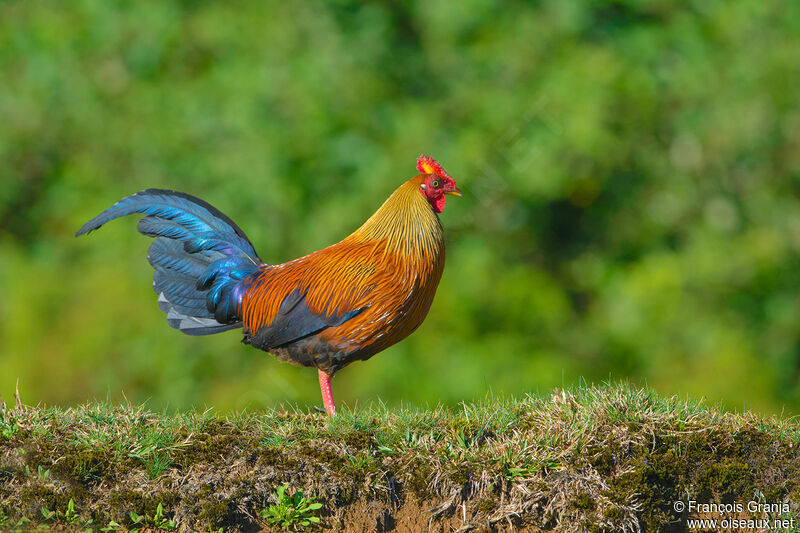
pixel 631 173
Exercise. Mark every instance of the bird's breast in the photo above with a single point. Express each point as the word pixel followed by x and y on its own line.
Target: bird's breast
pixel 399 296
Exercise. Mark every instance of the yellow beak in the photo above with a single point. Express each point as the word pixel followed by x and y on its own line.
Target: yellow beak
pixel 455 192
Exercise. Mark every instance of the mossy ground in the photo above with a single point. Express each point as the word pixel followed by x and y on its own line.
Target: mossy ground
pixel 613 458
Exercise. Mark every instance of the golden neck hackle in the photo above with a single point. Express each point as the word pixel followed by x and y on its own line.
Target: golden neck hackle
pixel 406 224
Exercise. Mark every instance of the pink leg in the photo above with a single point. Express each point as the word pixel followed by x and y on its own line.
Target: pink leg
pixel 327 394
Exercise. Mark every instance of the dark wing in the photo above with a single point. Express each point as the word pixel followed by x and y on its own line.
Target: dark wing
pixel 295 321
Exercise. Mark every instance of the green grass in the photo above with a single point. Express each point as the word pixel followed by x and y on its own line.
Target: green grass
pixel 604 458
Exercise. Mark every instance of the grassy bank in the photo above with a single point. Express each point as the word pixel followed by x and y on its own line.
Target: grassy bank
pixel 609 458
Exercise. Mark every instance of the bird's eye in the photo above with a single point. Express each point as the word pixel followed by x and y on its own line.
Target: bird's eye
pixel 435 184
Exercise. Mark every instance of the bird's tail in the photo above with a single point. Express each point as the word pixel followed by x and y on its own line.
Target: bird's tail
pixel 200 256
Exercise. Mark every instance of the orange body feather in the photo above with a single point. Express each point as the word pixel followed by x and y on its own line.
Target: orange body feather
pixel 389 268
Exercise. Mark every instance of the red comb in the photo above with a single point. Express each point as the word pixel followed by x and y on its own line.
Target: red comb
pixel 428 165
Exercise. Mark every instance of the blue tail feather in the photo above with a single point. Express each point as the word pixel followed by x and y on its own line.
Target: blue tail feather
pixel 199 255
pixel 170 254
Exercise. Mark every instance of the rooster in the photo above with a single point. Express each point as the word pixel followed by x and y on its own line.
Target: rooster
pixel 334 306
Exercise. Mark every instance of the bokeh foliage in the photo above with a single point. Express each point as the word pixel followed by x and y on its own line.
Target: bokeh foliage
pixel 631 173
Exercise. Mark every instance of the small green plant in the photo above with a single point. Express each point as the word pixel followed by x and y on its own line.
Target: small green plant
pixel 156 464
pixel 42 473
pixel 358 462
pixel 48 514
pixel 162 523
pixel 23 524
pixel 7 429
pixel 294 512
pixel 158 521
pixel 137 519
pixel 69 517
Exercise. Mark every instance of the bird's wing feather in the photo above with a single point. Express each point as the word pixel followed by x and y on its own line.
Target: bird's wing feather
pixel 295 321
pixel 287 302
